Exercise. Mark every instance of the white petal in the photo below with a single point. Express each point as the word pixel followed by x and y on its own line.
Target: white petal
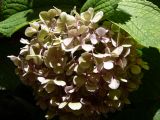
pixel 116 52
pixel 113 43
pixel 124 80
pixel 24 50
pixel 75 105
pixel 114 84
pixel 95 70
pixel 59 82
pixel 14 59
pixel 127 52
pixel 101 55
pixel 87 47
pixel 108 65
pixel 126 45
pixel 97 17
pixel 24 41
pixel 62 105
pixel 42 80
pixel 26 68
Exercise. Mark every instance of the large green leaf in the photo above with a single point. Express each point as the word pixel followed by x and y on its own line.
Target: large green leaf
pixel 14 22
pixel 10 7
pixel 139 18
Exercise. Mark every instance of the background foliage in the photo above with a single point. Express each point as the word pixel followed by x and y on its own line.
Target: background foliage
pixel 140 18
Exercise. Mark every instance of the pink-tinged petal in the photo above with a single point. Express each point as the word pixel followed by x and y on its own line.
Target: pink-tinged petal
pixel 87 47
pixel 67 41
pixel 114 84
pixel 117 51
pixel 99 67
pixel 122 63
pixel 69 89
pixel 97 17
pixel 93 39
pixel 108 65
pixel 101 31
pixel 105 40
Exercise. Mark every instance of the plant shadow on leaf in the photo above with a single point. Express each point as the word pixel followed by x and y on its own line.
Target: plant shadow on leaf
pixel 120 17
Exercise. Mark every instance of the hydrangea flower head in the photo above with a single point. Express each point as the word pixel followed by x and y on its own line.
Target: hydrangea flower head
pixel 76 67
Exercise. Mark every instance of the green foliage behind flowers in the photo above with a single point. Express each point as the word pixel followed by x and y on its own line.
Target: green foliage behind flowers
pixel 76 67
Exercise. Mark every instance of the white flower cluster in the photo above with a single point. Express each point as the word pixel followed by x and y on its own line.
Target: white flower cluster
pixel 76 67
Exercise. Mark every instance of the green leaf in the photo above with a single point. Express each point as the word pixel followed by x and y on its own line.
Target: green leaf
pixel 157 115
pixel 139 18
pixel 10 7
pixel 14 22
